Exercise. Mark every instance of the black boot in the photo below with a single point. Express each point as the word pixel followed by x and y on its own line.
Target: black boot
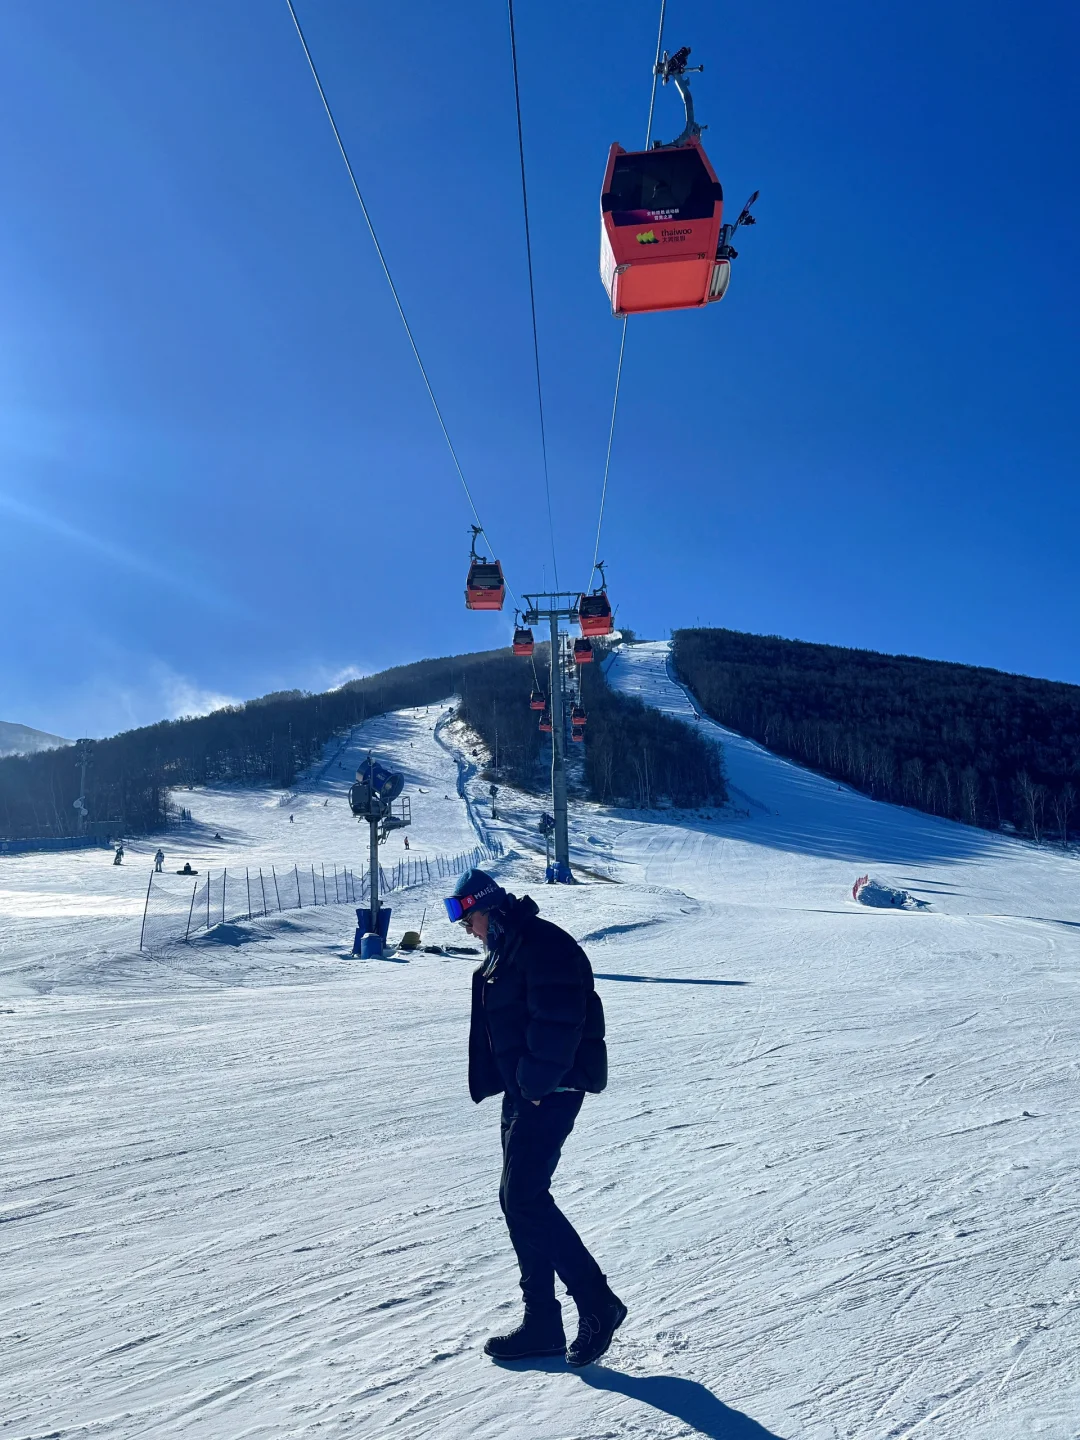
pixel 540 1333
pixel 597 1322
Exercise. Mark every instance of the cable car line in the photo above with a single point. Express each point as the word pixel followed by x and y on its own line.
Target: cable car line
pixel 622 342
pixel 607 462
pixel 386 272
pixel 532 290
pixel 656 72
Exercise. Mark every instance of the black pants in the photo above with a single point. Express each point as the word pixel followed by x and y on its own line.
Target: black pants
pixel 544 1241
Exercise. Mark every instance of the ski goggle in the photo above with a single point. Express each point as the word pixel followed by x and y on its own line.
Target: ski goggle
pixel 458 906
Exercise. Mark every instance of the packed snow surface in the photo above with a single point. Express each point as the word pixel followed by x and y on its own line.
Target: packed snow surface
pixel 245 1192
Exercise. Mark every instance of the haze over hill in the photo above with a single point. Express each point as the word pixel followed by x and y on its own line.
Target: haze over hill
pixel 23 740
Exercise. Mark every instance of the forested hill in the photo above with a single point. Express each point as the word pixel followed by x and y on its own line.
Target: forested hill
pixel 633 754
pixel 972 744
pixel 263 742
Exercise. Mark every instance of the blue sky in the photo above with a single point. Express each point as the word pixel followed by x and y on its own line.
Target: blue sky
pixel 219 471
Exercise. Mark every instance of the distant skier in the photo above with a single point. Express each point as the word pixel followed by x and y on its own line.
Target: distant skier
pixel 406 842
pixel 159 861
pixel 537 1039
pixel 118 857
pixel 187 870
pixel 292 818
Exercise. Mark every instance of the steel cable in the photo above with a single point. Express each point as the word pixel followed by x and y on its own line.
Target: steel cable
pixel 532 289
pixel 389 277
pixel 622 342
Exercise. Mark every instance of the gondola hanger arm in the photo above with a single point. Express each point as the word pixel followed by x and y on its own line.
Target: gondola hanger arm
pixel 675 69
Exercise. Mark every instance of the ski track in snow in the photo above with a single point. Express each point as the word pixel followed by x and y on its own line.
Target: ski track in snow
pixel 245 1194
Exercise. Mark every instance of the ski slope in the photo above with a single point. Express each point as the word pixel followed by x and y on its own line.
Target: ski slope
pixel 834 1175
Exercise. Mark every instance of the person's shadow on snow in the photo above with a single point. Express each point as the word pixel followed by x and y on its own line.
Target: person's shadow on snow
pixel 686 1400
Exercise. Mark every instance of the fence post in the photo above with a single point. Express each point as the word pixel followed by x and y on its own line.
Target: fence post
pixel 208 899
pixel 224 881
pixel 277 891
pixel 262 887
pixel 324 899
pixel 296 877
pixel 247 882
pixel 191 909
pixel 146 903
pixel 314 892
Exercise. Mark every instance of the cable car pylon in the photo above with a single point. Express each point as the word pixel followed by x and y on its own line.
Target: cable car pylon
pixel 552 607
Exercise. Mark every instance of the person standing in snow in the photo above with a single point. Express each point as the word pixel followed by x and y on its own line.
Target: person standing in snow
pixel 406 842
pixel 537 1038
pixel 159 861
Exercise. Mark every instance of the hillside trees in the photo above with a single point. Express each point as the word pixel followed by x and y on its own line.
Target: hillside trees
pixel 960 741
pixel 633 754
pixel 263 742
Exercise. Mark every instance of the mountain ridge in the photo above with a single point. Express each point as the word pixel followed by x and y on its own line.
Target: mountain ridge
pixel 18 739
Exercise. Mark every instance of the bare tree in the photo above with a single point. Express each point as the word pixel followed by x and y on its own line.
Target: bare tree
pixel 1033 798
pixel 969 789
pixel 1064 803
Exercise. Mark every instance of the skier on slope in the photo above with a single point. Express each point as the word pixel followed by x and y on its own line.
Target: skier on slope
pixel 118 856
pixel 159 860
pixel 537 1038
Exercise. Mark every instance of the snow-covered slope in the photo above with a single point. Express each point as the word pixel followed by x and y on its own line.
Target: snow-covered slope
pixel 246 1194
pixel 23 740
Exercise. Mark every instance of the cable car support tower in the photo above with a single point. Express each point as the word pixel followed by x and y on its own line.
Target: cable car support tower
pixel 554 606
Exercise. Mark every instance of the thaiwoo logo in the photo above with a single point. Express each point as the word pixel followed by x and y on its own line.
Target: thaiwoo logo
pixel 647 237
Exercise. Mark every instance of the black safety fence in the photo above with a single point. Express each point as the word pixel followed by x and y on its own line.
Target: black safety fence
pixel 179 907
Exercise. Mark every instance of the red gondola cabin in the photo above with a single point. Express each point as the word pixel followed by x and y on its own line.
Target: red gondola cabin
pixel 523 641
pixel 583 652
pixel 485 589
pixel 661 213
pixel 545 722
pixel 577 715
pixel 594 614
pixel 537 700
pixel 577 733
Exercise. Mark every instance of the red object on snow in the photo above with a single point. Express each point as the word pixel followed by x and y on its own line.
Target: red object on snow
pixel 859 883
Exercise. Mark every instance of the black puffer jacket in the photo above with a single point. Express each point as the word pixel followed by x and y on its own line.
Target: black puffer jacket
pixel 537 1021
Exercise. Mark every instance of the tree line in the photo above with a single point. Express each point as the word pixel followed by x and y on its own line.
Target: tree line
pixel 633 754
pixel 266 741
pixel 960 741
